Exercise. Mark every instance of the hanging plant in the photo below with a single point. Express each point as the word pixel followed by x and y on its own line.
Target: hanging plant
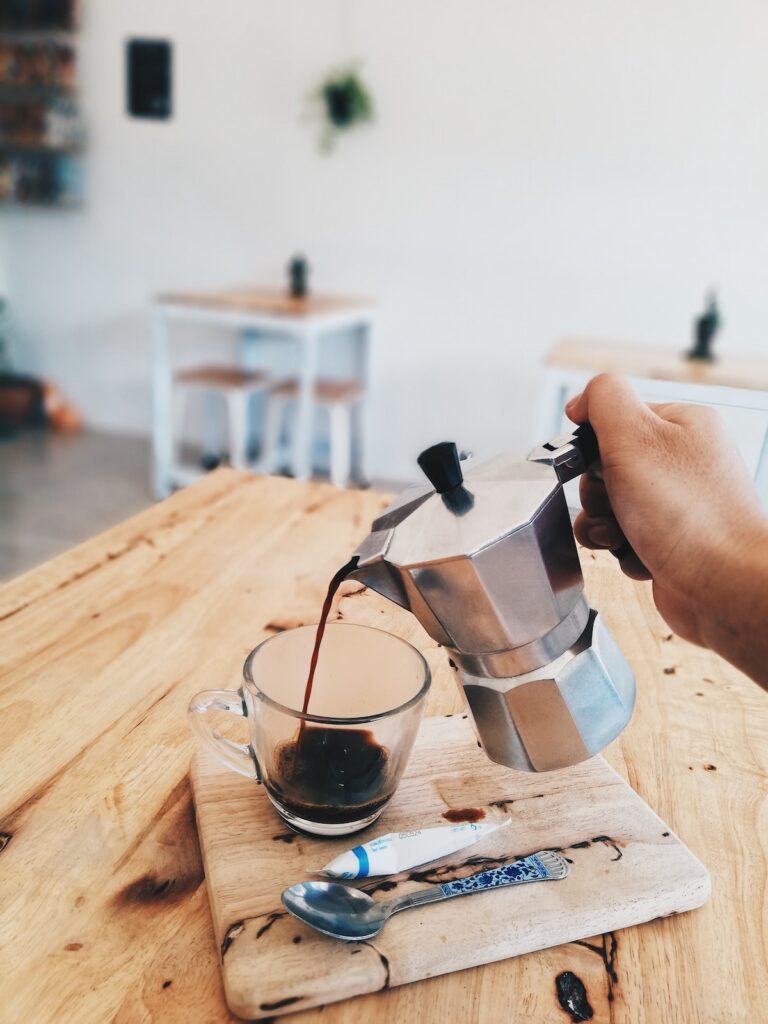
pixel 345 103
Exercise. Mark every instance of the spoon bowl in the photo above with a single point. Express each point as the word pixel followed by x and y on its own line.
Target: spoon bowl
pixel 336 910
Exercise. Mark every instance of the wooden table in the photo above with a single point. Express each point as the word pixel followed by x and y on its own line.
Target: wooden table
pixel 735 385
pixel 103 907
pixel 307 321
pixel 656 362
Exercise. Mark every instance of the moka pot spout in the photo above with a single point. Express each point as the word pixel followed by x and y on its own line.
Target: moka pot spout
pixel 382 578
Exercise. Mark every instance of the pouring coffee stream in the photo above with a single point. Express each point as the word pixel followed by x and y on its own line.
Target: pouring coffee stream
pixel 333 587
pixel 297 759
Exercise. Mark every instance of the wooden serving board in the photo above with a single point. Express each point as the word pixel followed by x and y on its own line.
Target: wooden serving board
pixel 628 867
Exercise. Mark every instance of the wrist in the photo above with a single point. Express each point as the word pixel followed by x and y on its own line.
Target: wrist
pixel 733 583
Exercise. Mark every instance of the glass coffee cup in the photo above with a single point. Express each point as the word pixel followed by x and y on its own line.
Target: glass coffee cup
pixel 332 770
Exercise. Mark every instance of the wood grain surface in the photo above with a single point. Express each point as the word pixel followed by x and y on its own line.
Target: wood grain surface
pixel 628 868
pixel 103 908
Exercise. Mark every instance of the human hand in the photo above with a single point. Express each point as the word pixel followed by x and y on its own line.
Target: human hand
pixel 671 496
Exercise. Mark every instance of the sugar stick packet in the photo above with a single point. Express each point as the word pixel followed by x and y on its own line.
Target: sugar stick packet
pixel 398 851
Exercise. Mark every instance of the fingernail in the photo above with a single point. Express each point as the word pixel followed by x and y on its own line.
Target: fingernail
pixel 572 401
pixel 599 535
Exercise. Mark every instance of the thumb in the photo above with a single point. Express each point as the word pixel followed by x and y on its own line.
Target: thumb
pixel 610 405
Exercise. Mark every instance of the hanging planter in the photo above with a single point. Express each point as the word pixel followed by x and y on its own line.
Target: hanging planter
pixel 345 103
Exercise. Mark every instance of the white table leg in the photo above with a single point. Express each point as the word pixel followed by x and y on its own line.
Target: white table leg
pixel 340 424
pixel 248 358
pixel 162 422
pixel 301 456
pixel 237 411
pixel 211 443
pixel 274 422
pixel 361 412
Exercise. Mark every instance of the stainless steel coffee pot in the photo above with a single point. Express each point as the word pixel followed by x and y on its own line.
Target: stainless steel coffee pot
pixel 485 558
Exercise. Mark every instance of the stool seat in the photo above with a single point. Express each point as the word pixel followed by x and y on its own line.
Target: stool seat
pixel 339 399
pixel 224 378
pixel 327 392
pixel 341 402
pixel 235 386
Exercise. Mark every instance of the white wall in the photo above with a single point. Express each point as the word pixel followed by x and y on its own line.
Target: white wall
pixel 538 166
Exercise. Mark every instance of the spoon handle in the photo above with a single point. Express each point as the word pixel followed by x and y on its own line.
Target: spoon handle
pixel 538 867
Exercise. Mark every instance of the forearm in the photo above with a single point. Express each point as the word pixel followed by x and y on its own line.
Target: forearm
pixel 734 611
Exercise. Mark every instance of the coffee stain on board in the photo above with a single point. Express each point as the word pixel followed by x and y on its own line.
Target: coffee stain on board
pixel 458 814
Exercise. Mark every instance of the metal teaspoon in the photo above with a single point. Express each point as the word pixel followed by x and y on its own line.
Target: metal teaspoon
pixel 352 915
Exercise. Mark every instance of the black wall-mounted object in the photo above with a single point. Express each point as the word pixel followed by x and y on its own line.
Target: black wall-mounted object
pixel 50 15
pixel 149 78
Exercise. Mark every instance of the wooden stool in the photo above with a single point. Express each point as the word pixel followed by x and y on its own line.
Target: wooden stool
pixel 341 400
pixel 236 387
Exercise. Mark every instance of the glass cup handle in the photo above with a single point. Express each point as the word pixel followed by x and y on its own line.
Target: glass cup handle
pixel 237 756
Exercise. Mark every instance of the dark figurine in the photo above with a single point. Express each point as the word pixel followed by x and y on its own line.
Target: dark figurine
pixel 298 277
pixel 705 328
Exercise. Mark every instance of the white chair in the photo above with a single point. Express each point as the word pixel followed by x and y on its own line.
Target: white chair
pixel 341 402
pixel 235 386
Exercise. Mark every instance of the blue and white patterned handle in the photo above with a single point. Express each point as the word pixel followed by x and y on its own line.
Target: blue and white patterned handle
pixel 538 867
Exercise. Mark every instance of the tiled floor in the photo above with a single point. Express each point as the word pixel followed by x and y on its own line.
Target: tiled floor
pixel 56 491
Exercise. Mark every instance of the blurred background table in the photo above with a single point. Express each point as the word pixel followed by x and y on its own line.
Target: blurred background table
pixel 264 312
pixel 735 385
